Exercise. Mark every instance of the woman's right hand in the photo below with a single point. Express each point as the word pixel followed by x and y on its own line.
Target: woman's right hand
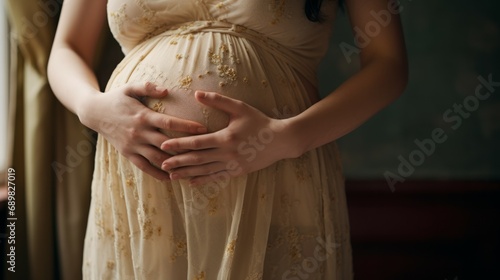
pixel 132 128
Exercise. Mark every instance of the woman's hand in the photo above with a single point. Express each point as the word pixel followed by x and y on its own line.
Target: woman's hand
pixel 132 128
pixel 250 142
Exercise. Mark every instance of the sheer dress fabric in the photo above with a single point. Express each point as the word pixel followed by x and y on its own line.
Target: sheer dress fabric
pixel 287 221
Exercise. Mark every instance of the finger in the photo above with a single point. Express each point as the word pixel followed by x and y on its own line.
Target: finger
pixel 170 123
pixel 197 170
pixel 197 142
pixel 156 138
pixel 152 137
pixel 214 177
pixel 226 104
pixel 146 167
pixel 154 155
pixel 191 159
pixel 147 89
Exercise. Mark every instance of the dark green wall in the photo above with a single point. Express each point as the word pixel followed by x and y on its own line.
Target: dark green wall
pixel 450 44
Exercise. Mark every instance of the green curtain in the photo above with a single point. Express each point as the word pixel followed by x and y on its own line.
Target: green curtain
pixel 52 154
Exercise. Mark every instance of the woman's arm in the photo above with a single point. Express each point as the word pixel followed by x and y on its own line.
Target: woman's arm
pixel 382 78
pixel 118 115
pixel 73 50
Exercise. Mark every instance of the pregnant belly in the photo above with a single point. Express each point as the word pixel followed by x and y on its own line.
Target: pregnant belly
pixel 182 104
pixel 202 61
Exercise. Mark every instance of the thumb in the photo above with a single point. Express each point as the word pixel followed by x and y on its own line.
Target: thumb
pixel 226 104
pixel 148 89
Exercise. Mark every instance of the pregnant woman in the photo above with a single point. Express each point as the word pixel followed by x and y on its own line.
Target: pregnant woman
pixel 215 157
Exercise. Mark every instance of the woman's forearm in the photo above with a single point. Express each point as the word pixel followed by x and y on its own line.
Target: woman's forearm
pixel 71 79
pixel 73 52
pixel 354 102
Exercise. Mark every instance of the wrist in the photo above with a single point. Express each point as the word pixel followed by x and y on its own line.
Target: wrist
pixel 86 108
pixel 293 139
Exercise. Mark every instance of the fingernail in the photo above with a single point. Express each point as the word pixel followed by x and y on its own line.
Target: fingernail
pixel 193 183
pixel 161 89
pixel 165 167
pixel 201 94
pixel 174 176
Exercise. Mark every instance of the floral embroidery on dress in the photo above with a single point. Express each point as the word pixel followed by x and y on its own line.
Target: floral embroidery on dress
pixel 301 170
pixel 200 276
pixel 179 246
pixel 278 7
pixel 231 246
pixel 254 276
pixel 119 17
pixel 222 59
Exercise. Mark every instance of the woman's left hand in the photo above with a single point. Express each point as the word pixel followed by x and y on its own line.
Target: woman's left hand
pixel 250 142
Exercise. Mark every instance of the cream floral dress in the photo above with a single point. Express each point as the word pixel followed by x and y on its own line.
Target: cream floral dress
pixel 287 221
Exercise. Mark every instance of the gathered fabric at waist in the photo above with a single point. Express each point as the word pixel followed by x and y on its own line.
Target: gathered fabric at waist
pixel 273 47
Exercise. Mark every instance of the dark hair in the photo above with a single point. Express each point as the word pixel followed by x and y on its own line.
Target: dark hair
pixel 313 10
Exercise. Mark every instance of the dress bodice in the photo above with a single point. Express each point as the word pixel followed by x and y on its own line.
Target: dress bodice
pixel 283 21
